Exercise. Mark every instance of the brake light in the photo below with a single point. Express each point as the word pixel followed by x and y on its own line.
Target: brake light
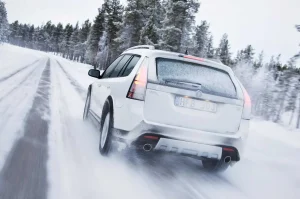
pixel 247 99
pixel 151 137
pixel 194 58
pixel 138 87
pixel 247 105
pixel 228 149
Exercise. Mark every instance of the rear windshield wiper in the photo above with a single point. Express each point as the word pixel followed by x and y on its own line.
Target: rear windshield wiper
pixel 182 81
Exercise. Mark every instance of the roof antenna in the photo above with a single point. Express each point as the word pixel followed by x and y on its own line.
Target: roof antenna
pixel 186 52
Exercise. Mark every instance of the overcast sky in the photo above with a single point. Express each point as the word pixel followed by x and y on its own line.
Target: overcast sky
pixel 266 24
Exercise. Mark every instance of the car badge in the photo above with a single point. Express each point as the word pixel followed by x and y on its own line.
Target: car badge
pixel 198 93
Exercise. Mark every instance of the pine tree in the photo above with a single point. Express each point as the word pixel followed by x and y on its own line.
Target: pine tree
pixel 3 22
pixel 26 35
pixel 287 94
pixel 201 39
pixel 66 42
pixel 259 63
pixel 58 37
pixel 133 23
pixel 113 15
pixel 48 30
pixel 272 63
pixel 239 56
pixel 83 37
pixel 267 98
pixel 210 48
pixel 40 38
pixel 31 37
pixel 282 89
pixel 14 33
pixel 154 13
pixel 84 31
pixel 223 51
pixel 155 8
pixel 178 24
pixel 22 34
pixel 278 63
pixel 96 32
pixel 150 33
pixel 248 54
pixel 74 41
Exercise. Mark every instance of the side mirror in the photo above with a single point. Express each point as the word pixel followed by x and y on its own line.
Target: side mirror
pixel 94 73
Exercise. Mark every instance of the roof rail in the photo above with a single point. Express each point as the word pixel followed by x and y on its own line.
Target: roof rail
pixel 141 47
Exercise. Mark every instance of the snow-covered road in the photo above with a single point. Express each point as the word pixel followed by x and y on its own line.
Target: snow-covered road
pixel 47 151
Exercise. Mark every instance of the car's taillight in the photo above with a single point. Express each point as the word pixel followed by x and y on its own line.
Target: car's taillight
pixel 138 87
pixel 247 105
pixel 193 57
pixel 247 99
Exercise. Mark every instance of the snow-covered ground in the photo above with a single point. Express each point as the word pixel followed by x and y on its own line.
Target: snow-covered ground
pixel 17 89
pixel 75 169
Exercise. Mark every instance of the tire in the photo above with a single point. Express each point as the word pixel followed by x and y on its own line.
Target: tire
pixel 106 127
pixel 87 105
pixel 215 165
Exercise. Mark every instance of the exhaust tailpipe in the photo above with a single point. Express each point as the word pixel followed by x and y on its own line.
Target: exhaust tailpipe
pixel 147 147
pixel 227 159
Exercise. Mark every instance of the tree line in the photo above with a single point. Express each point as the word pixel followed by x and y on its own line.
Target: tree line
pixel 168 25
pixel 3 22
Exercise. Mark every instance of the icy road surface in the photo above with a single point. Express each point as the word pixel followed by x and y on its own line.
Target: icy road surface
pixel 47 151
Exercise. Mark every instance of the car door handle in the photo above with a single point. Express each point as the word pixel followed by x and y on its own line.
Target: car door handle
pixel 99 85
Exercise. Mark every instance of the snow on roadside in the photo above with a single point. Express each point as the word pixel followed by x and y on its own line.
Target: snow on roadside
pixel 276 132
pixel 13 58
pixel 271 162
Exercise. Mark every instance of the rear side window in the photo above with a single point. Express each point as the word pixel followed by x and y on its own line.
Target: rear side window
pixel 195 76
pixel 131 65
pixel 111 67
pixel 120 66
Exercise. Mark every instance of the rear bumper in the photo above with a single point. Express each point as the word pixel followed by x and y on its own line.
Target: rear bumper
pixel 188 141
pixel 189 148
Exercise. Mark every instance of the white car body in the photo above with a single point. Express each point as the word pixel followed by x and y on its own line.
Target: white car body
pixel 196 124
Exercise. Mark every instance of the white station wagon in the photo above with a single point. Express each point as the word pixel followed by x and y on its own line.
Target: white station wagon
pixel 153 101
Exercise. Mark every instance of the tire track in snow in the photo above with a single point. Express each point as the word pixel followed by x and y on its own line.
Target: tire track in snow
pixel 179 177
pixel 19 84
pixel 24 172
pixel 17 71
pixel 78 87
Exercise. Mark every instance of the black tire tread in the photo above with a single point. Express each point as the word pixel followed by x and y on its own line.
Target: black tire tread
pixel 107 146
pixel 87 103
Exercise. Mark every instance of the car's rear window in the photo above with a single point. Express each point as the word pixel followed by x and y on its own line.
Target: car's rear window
pixel 210 80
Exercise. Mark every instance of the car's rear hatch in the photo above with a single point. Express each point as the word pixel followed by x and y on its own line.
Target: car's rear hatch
pixel 192 95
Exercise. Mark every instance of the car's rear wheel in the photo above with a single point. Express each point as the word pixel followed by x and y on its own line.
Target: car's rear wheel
pixel 106 130
pixel 87 105
pixel 215 165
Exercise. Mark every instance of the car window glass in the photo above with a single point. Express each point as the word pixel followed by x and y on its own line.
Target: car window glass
pixel 120 66
pixel 211 80
pixel 110 69
pixel 131 65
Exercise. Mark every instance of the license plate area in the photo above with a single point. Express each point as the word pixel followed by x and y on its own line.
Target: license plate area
pixel 195 104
